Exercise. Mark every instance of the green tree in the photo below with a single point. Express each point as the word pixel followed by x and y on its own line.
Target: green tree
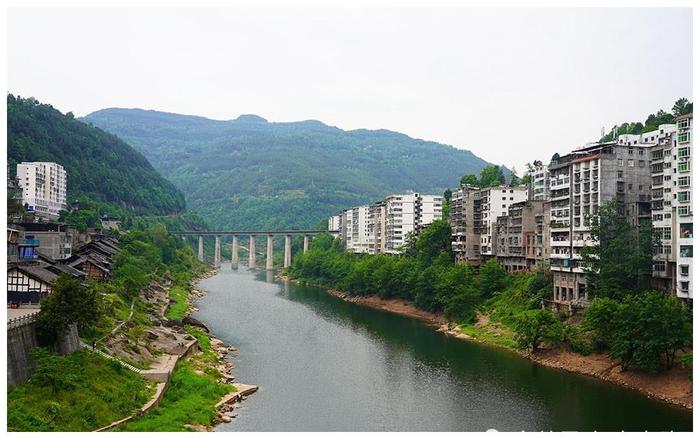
pixel 493 278
pixel 620 259
pixel 446 198
pixel 491 175
pixel 69 302
pixel 532 327
pixel 433 240
pixel 470 179
pixel 682 106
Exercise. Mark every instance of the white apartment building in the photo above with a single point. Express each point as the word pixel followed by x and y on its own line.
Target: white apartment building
pixel 383 227
pixel 334 223
pixel 43 187
pixel 683 205
pixel 495 202
pixel 539 185
pixel 473 215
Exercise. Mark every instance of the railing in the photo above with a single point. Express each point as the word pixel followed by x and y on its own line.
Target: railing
pixel 26 319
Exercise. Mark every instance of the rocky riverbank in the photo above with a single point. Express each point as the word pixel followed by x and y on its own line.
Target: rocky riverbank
pixel 224 363
pixel 671 386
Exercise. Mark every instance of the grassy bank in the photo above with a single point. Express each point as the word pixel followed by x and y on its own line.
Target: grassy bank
pixel 192 394
pixel 78 392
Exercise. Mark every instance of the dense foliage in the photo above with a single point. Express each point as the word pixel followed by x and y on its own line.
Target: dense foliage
pixel 652 122
pixel 248 173
pixel 490 175
pixel 425 275
pixel 100 167
pixel 620 259
pixel 644 330
pixel 78 392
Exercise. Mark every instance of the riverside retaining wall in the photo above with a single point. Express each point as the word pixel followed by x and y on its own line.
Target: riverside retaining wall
pixel 22 338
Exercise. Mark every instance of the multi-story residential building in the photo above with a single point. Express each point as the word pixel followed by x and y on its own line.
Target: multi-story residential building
pixel 663 215
pixel 539 182
pixel 54 240
pixel 495 202
pixel 473 215
pixel 383 227
pixel 43 187
pixel 580 182
pixel 334 223
pixel 683 205
pixel 522 235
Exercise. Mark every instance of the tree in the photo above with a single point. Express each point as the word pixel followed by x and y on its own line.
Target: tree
pixel 620 259
pixel 682 106
pixel 434 240
pixel 446 198
pixel 644 331
pixel 491 175
pixel 535 326
pixel 470 179
pixel 69 302
pixel 493 278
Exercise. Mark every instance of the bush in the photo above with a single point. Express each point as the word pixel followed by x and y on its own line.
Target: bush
pixel 536 326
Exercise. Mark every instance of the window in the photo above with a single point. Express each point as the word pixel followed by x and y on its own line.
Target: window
pixel 683 152
pixel 684 196
pixel 630 163
pixel 619 174
pixel 683 137
pixel 685 270
pixel 683 123
pixel 684 181
pixel 683 166
pixel 641 151
pixel 666 233
pixel 641 163
pixel 686 230
pixel 620 162
pixel 630 150
pixel 667 152
pixel 686 251
pixel 660 266
pixel 629 186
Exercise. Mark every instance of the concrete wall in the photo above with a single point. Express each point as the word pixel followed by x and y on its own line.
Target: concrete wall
pixel 20 342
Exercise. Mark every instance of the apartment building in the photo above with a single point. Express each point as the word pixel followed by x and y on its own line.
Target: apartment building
pixel 384 226
pixel 522 235
pixel 539 183
pixel 473 215
pixel 683 205
pixel 334 223
pixel 663 193
pixel 580 182
pixel 43 188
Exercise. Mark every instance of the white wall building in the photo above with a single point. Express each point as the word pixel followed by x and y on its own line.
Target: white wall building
pixel 43 187
pixel 495 202
pixel 540 182
pixel 683 205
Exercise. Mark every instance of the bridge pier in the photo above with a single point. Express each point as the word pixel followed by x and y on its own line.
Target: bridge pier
pixel 287 250
pixel 269 265
pixel 200 251
pixel 251 253
pixel 234 252
pixel 217 251
pixel 306 243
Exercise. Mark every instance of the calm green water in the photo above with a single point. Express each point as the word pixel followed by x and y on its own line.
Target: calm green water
pixel 324 364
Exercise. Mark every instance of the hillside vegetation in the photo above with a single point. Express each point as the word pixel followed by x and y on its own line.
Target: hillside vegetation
pixel 103 170
pixel 250 173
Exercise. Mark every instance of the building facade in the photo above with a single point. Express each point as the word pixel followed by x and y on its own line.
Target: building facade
pixel 580 183
pixel 684 207
pixel 539 182
pixel 43 188
pixel 522 236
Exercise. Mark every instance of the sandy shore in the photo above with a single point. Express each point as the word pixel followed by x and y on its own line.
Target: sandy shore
pixel 670 386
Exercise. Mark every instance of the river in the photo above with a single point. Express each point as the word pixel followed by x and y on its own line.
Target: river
pixel 323 364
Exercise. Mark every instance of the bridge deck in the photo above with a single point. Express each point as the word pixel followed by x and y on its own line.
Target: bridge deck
pixel 246 232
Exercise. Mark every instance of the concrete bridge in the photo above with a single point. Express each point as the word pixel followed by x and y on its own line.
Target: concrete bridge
pixel 269 265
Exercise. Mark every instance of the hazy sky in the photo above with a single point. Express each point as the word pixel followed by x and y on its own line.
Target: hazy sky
pixel 512 85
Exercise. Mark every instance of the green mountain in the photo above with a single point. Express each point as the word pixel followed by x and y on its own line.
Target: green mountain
pixel 251 173
pixel 102 169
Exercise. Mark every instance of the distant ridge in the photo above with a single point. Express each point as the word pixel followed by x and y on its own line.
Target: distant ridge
pixel 248 172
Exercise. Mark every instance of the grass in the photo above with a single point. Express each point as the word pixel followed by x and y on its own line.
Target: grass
pixel 77 392
pixel 192 393
pixel 178 309
pixel 485 335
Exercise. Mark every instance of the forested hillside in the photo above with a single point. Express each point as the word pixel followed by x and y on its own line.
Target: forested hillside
pixel 102 169
pixel 250 173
